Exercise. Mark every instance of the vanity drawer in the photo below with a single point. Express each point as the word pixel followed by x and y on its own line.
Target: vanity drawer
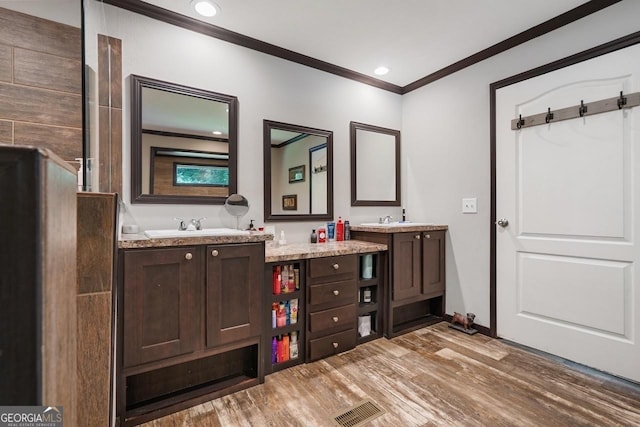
pixel 337 293
pixel 333 268
pixel 339 317
pixel 332 344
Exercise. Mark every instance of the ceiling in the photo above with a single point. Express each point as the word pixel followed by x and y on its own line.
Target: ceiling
pixel 414 38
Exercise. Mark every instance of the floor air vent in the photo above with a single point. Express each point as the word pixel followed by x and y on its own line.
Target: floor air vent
pixel 358 414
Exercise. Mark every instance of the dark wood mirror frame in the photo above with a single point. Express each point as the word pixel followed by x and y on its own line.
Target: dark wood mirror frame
pixel 268 125
pixel 137 196
pixel 353 128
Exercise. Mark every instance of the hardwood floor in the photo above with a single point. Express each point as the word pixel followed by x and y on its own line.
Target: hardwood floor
pixel 431 377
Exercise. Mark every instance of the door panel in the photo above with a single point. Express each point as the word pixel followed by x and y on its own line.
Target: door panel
pixel 566 280
pixel 433 262
pixel 234 292
pixel 161 303
pixel 407 265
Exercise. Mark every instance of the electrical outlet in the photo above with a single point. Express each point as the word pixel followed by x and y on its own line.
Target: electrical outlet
pixel 470 205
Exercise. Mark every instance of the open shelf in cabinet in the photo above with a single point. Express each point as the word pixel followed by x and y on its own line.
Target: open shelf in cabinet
pixel 282 301
pixel 416 315
pixel 370 295
pixel 159 388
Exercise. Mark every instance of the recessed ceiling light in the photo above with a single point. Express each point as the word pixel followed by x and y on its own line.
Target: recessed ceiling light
pixel 205 7
pixel 381 70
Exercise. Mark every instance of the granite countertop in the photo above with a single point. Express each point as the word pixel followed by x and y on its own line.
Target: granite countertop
pixel 138 241
pixel 399 228
pixel 293 251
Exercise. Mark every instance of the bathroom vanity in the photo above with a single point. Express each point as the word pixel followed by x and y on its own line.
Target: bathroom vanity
pixel 195 314
pixel 189 322
pixel 415 272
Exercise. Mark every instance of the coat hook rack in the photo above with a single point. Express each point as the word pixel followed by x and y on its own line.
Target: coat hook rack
pixel 582 110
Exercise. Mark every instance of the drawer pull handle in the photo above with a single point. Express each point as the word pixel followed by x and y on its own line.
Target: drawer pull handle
pixel 188 256
pixel 417 236
pixel 335 345
pixel 427 236
pixel 215 252
pixel 335 319
pixel 336 292
pixel 336 266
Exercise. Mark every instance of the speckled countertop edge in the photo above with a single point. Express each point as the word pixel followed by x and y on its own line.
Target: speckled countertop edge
pixel 293 251
pixel 139 241
pixel 399 228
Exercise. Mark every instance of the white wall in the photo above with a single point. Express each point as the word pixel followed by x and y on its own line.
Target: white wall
pixel 267 88
pixel 446 131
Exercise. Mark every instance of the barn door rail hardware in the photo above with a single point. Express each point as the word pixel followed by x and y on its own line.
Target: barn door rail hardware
pixel 581 110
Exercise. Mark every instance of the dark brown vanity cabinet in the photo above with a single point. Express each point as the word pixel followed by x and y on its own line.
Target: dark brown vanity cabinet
pixel 189 326
pixel 331 305
pixel 162 300
pixel 416 275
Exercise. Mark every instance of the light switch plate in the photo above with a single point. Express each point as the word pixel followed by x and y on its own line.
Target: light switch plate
pixel 470 205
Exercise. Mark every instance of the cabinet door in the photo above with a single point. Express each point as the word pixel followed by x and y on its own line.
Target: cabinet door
pixel 433 262
pixel 234 292
pixel 162 294
pixel 407 265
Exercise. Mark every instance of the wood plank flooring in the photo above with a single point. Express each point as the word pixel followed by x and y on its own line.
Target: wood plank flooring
pixel 434 376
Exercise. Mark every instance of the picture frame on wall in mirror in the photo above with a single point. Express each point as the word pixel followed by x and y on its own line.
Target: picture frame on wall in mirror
pixel 290 202
pixel 296 174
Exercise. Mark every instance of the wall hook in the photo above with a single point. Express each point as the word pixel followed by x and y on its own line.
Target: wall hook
pixel 622 101
pixel 549 115
pixel 582 109
pixel 520 122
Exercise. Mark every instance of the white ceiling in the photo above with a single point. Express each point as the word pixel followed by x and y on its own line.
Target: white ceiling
pixel 412 37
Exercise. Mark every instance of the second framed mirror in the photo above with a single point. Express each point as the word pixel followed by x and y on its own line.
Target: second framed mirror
pixel 375 165
pixel 298 172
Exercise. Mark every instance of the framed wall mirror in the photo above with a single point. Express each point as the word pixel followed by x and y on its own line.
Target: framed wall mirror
pixel 375 165
pixel 298 172
pixel 183 143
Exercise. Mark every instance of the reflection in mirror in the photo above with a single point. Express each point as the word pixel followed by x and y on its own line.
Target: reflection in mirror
pixel 298 165
pixel 375 165
pixel 183 143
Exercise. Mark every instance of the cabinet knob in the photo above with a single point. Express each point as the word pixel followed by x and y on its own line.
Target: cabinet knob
pixel 427 236
pixel 417 236
pixel 335 345
pixel 336 266
pixel 336 292
pixel 335 319
pixel 188 256
pixel 215 252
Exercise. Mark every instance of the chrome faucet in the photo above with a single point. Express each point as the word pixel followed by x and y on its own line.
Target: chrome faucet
pixel 386 220
pixel 181 224
pixel 196 223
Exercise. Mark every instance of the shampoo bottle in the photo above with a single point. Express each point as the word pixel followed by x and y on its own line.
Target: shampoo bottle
pixel 274 350
pixel 277 277
pixel 285 280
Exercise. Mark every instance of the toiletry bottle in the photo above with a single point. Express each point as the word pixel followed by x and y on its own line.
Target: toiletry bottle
pixel 283 240
pixel 331 231
pixel 404 216
pixel 322 235
pixel 274 350
pixel 340 230
pixel 293 345
pixel 284 286
pixel 314 236
pixel 291 286
pixel 347 231
pixel 366 295
pixel 279 349
pixel 294 311
pixel 287 313
pixel 277 277
pixel 285 348
pixel 296 278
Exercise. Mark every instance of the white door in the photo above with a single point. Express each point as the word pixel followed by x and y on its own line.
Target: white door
pixel 567 277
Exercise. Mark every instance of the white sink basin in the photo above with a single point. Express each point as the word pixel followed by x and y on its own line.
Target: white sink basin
pixel 157 234
pixel 396 224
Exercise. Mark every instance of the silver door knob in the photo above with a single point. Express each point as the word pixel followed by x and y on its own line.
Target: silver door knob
pixel 335 319
pixel 336 266
pixel 502 222
pixel 335 345
pixel 188 256
pixel 336 292
pixel 215 252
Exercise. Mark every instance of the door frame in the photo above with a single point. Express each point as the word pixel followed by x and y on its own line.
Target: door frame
pixel 612 46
